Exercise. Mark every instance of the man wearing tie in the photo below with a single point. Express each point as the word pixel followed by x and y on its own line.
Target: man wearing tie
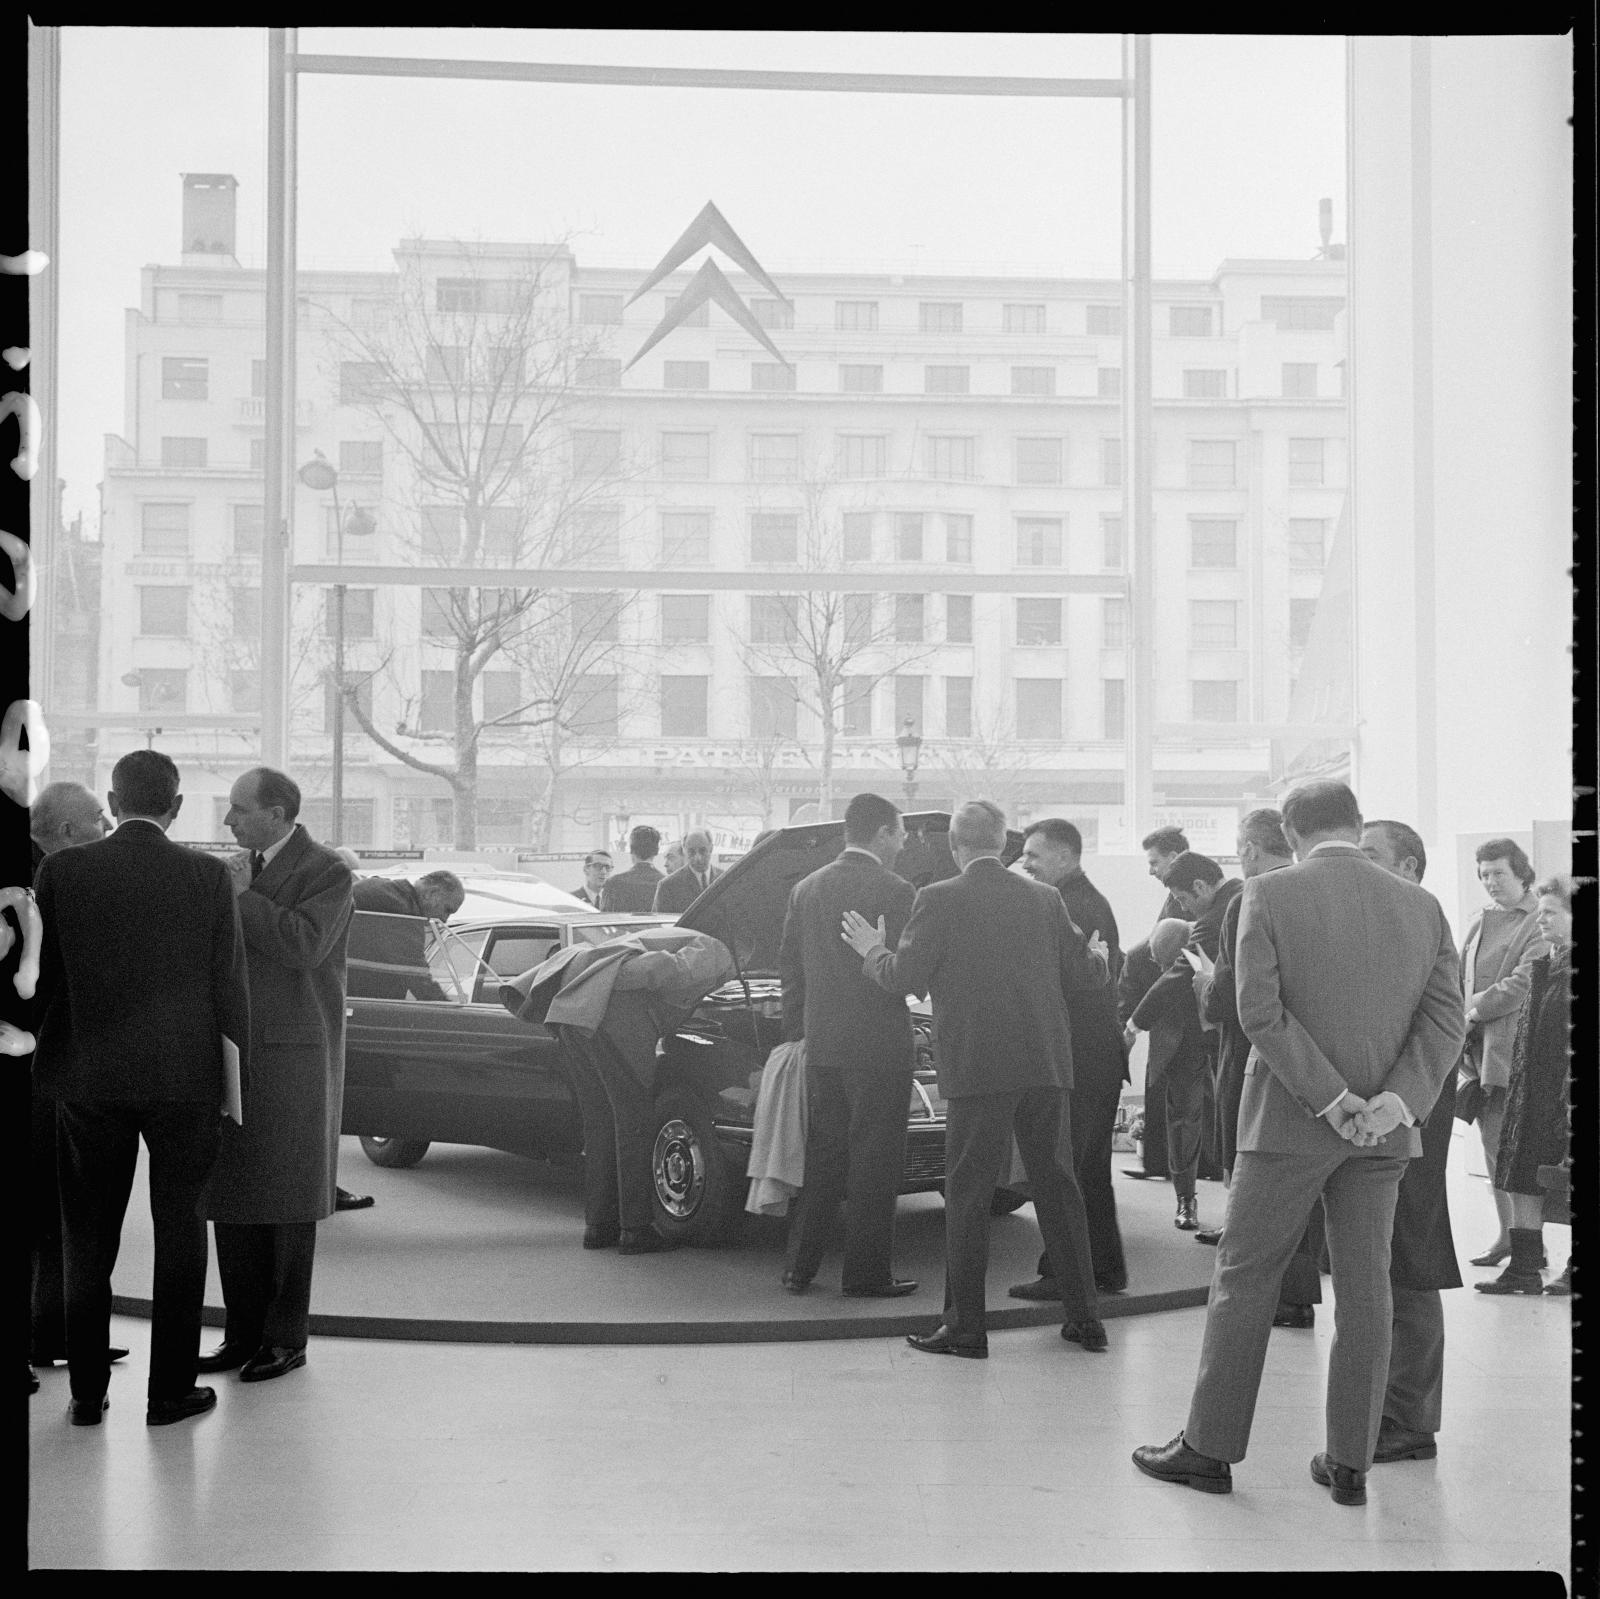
pixel 677 893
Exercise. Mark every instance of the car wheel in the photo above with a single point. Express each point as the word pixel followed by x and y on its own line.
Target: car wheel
pixel 394 1151
pixel 696 1192
pixel 1005 1201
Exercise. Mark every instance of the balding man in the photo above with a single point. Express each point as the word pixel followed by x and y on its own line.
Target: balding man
pixel 64 814
pixel 679 891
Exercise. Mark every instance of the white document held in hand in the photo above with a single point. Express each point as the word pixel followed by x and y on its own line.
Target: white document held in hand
pixel 232 1090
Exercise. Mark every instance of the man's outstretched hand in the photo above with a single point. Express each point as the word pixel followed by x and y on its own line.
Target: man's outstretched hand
pixel 861 935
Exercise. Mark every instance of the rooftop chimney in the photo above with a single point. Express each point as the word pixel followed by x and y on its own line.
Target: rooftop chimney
pixel 208 213
pixel 1329 251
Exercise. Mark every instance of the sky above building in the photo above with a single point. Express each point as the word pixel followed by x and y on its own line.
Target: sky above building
pixel 1248 137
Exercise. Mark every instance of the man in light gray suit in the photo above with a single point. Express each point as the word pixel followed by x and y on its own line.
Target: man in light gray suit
pixel 1347 989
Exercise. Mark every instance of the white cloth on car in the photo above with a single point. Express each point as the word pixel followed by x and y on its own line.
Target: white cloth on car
pixel 777 1163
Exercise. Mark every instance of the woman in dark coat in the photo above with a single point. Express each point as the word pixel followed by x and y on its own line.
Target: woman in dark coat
pixel 1535 1132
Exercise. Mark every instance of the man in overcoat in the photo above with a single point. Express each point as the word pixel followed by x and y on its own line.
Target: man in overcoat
pixel 677 892
pixel 274 1178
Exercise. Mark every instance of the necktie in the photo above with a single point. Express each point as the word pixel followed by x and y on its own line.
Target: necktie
pixel 257 861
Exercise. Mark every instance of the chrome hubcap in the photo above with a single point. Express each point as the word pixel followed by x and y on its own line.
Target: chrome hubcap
pixel 679 1169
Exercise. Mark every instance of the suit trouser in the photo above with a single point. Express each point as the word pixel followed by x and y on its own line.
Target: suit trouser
pixel 266 1282
pixel 856 1151
pixel 1302 1278
pixel 978 1133
pixel 1268 1207
pixel 1093 1104
pixel 1183 1087
pixel 618 1133
pixel 98 1148
pixel 1415 1393
pixel 47 1329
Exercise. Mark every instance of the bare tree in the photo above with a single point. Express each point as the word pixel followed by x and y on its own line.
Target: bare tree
pixel 496 464
pixel 992 764
pixel 758 770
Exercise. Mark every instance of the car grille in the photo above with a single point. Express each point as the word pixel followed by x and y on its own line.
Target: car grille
pixel 924 1160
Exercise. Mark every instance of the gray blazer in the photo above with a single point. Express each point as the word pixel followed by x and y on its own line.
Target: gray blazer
pixel 1347 980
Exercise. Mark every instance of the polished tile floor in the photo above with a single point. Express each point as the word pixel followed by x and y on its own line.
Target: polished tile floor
pixel 855 1455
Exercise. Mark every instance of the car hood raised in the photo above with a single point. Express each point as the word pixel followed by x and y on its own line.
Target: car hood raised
pixel 745 906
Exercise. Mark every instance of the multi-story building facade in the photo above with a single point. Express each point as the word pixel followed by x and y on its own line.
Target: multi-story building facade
pixel 943 451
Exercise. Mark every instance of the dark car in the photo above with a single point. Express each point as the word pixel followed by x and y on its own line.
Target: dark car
pixel 463 1069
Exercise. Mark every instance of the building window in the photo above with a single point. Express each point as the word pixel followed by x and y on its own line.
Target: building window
pixel 199 307
pixel 686 375
pixel 1213 701
pixel 1301 312
pixel 772 314
pixel 164 529
pixel 361 457
pixel 244 690
pixel 958 618
pixel 1213 624
pixel 862 454
pixel 594 617
pixel 599 372
pixel 855 316
pixel 164 612
pixel 857 536
pixel 1189 321
pixel 1302 613
pixel 910 613
pixel 360 683
pixel 774 536
pixel 163 688
pixel 1305 462
pixel 1113 624
pixel 952 457
pixel 600 310
pixel 244 608
pixel 771 377
pixel 183 455
pixel 856 619
pixel 699 317
pixel 356 819
pixel 908 702
pixel 1038 621
pixel 685 618
pixel 438 620
pixel 502 822
pixel 861 380
pixel 1207 383
pixel 502 695
pixel 1022 318
pixel 445 365
pixel 958 707
pixel 596 452
pixel 359 611
pixel 1108 382
pixel 939 316
pixel 1113 551
pixel 360 382
pixel 1039 460
pixel 1104 319
pixel 1213 541
pixel 773 708
pixel 426 823
pixel 1111 463
pixel 774 457
pixel 1113 708
pixel 441 533
pixel 1038 541
pixel 908 536
pixel 1033 380
pixel 686 457
pixel 958 538
pixel 591 708
pixel 476 294
pixel 184 378
pixel 1039 707
pixel 857 697
pixel 501 540
pixel 947 380
pixel 1299 380
pixel 773 619
pixel 248 523
pixel 685 538
pixel 1212 463
pixel 436 712
pixel 1307 541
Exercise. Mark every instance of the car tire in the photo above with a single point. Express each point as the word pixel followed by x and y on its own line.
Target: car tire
pixel 393 1152
pixel 1005 1201
pixel 697 1193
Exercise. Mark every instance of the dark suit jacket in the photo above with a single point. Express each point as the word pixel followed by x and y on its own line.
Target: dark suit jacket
pixel 677 893
pixel 1170 1010
pixel 387 956
pixel 846 1019
pixel 1097 1049
pixel 279 1166
pixel 1219 1004
pixel 141 971
pixel 632 890
pixel 998 953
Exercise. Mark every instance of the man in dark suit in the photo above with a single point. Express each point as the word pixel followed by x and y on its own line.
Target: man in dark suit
pixel 1161 848
pixel 1422 1258
pixel 141 986
pixel 274 1178
pixel 596 869
pixel 635 889
pixel 675 894
pixel 387 956
pixel 859 1056
pixel 1052 853
pixel 998 954
pixel 1347 984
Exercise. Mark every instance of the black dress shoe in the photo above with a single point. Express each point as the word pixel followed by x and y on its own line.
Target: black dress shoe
pixel 945 1342
pixel 646 1241
pixel 343 1199
pixel 1188 1217
pixel 796 1282
pixel 225 1357
pixel 1349 1485
pixel 1400 1443
pixel 59 1357
pixel 601 1237
pixel 87 1412
pixel 271 1360
pixel 895 1288
pixel 1040 1288
pixel 1177 1462
pixel 1111 1285
pixel 163 1412
pixel 1209 1235
pixel 1297 1316
pixel 1138 1173
pixel 1088 1333
pixel 1512 1281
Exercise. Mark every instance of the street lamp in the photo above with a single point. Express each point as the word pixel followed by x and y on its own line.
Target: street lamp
pixel 910 752
pixel 135 679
